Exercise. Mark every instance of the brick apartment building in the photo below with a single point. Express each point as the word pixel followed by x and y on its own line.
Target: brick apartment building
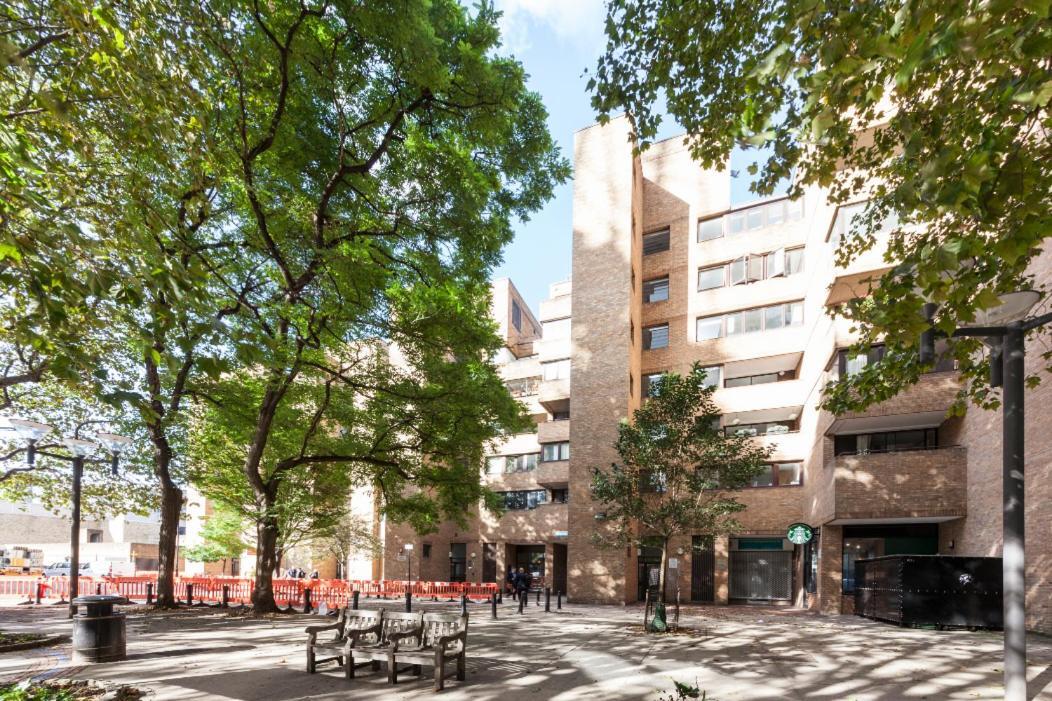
pixel 666 273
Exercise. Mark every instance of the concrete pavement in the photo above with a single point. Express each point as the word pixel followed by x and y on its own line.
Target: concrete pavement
pixel 582 652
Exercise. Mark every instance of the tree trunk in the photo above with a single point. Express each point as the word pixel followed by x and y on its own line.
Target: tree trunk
pixel 167 554
pixel 661 571
pixel 266 561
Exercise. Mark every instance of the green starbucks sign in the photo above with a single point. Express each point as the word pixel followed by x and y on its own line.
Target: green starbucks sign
pixel 799 533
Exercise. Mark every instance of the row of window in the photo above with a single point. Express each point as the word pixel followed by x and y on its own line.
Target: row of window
pixel 848 219
pixel 887 442
pixel 524 499
pixel 765 428
pixel 512 463
pixel 752 268
pixel 551 452
pixel 780 474
pixel 848 365
pixel 752 218
pixel 713 373
pixel 769 318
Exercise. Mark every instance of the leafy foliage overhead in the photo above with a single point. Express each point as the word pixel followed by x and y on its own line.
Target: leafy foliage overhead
pixel 935 112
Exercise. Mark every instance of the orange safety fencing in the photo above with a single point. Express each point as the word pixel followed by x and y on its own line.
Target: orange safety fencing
pixel 334 593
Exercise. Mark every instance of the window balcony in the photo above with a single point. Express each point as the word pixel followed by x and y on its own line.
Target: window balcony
pixel 554 395
pixel 555 473
pixel 929 484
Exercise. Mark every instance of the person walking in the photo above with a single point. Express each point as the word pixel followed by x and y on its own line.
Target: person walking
pixel 522 583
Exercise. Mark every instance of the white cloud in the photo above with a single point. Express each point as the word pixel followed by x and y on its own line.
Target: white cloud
pixel 577 23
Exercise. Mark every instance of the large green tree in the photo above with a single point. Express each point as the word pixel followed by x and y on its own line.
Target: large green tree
pixel 677 472
pixel 936 112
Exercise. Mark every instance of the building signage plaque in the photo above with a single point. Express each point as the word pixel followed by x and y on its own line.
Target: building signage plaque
pixel 799 533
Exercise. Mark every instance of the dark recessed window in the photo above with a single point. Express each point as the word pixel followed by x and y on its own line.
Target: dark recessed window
pixel 516 316
pixel 426 554
pixel 651 384
pixel 887 442
pixel 655 337
pixel 523 499
pixel 760 379
pixel 655 242
pixel 655 290
pixel 560 496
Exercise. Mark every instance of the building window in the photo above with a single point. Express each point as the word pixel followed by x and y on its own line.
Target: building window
pixel 850 219
pixel 650 384
pixel 94 536
pixel 849 365
pixel 709 327
pixel 887 442
pixel 763 379
pixel 523 386
pixel 550 452
pixel 655 242
pixel 556 370
pixel 426 552
pixel 752 218
pixel 523 499
pixel 766 428
pixel 655 290
pixel 780 474
pixel 560 416
pixel 511 463
pixel 712 375
pixel 516 316
pixel 752 268
pixel 711 278
pixel 750 321
pixel 655 337
pixel 560 496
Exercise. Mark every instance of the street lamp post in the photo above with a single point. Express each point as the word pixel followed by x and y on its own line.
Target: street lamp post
pixel 1004 329
pixel 32 432
pixel 408 547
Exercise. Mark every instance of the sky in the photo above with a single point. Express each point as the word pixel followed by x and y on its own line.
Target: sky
pixel 556 40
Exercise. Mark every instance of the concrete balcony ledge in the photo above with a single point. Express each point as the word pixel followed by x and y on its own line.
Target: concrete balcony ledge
pixel 553 431
pixel 917 484
pixel 554 394
pixel 553 474
pixel 537 525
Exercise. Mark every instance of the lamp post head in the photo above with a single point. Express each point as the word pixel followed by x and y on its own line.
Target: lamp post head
pixel 79 447
pixel 1013 307
pixel 112 442
pixel 30 430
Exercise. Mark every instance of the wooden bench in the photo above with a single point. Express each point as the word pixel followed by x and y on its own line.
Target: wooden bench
pixel 373 645
pixel 441 638
pixel 351 627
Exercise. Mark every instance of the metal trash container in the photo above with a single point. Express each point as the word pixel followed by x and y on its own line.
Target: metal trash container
pixel 98 632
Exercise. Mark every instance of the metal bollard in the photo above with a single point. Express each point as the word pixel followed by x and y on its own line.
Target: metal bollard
pixel 306 600
pixel 40 591
pixel 149 593
pixel 538 597
pixel 189 594
pixel 463 604
pixel 547 599
pixel 522 598
pixel 409 602
pixel 559 600
pixel 493 605
pixel 354 600
pixel 500 596
pixel 226 596
pixel 98 589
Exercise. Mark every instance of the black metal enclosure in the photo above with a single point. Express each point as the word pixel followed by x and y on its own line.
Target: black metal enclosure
pixel 930 590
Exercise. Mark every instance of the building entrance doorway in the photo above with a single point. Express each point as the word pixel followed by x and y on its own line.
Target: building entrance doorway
pixel 531 559
pixel 489 562
pixel 458 562
pixel 702 569
pixel 559 567
pixel 760 570
pixel 649 561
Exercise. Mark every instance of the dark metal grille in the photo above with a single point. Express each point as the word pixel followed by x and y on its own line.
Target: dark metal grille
pixel 764 574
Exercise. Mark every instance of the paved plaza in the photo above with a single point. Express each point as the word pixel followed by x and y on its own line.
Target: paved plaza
pixel 581 652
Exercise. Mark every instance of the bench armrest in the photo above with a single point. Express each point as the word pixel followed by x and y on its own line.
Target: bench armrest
pixel 355 633
pixel 312 631
pixel 395 638
pixel 447 639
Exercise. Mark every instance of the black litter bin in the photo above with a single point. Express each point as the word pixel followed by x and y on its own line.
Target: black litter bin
pixel 98 632
pixel 930 590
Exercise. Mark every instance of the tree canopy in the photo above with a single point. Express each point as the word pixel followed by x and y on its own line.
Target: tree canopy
pixel 937 113
pixel 677 471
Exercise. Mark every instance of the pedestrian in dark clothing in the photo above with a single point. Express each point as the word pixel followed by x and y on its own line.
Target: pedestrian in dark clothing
pixel 522 583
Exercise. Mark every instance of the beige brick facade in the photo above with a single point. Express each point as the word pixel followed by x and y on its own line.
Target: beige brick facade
pixel 942 495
